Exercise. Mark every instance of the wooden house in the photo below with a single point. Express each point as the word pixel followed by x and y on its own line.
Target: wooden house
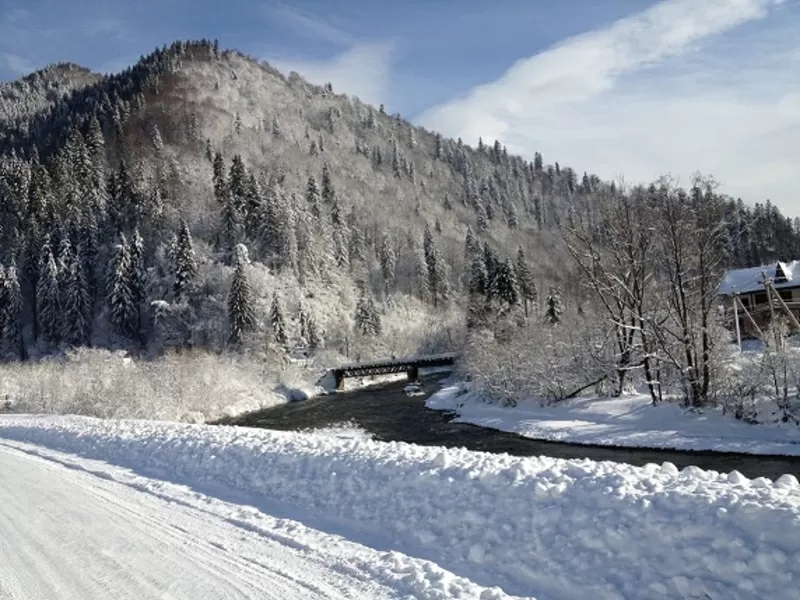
pixel 746 298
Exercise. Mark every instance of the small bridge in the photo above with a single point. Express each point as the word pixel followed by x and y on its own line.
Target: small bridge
pixel 409 365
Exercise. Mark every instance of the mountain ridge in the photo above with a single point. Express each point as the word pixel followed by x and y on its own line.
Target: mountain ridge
pixel 335 200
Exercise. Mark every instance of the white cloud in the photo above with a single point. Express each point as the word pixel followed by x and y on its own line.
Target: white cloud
pixel 305 23
pixel 362 71
pixel 639 98
pixel 17 64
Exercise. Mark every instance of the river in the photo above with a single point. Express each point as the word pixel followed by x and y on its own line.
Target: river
pixel 389 414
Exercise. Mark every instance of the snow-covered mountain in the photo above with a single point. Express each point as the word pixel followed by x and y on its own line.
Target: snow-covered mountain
pixel 362 231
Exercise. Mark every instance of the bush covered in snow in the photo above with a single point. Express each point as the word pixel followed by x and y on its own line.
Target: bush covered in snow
pixel 536 360
pixel 191 386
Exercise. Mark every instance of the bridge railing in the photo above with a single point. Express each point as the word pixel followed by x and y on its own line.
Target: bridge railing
pixel 410 364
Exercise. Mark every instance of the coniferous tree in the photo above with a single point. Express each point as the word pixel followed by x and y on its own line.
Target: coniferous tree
pixel 527 285
pixel 64 262
pixel 356 255
pixel 490 261
pixel 185 263
pixel 440 281
pixel 553 307
pixel 328 193
pixel 421 275
pixel 367 319
pixel 478 280
pixel 129 201
pixel 388 262
pixel 505 284
pixel 12 315
pixel 137 274
pixel 340 237
pixel 219 179
pixel 241 311
pixel 302 318
pixel 472 245
pixel 3 296
pixel 237 183
pixel 289 245
pixel 77 304
pixel 123 311
pixel 230 227
pixel 253 208
pixel 312 332
pixel 47 297
pixel 277 321
pixel 312 196
pixel 397 159
pixel 481 217
pixel 87 241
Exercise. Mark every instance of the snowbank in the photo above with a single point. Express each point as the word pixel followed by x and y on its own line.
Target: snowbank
pixel 629 421
pixel 532 526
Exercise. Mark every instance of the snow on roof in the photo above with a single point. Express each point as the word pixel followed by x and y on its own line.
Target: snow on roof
pixel 743 281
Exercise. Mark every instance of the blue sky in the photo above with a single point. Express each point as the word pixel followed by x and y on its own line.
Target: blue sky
pixel 625 88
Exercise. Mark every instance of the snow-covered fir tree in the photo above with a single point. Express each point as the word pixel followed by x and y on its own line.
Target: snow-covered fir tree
pixel 505 284
pixel 553 307
pixel 277 321
pixel 313 334
pixel 328 193
pixel 123 311
pixel 313 196
pixel 77 305
pixel 421 273
pixel 478 280
pixel 185 262
pixel 388 261
pixel 48 306
pixel 367 319
pixel 241 311
pixel 527 285
pixel 13 344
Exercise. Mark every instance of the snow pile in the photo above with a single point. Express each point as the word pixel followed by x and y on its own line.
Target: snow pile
pixel 532 526
pixel 630 421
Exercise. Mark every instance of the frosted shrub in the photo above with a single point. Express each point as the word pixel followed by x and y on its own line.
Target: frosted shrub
pixel 758 383
pixel 189 386
pixel 548 362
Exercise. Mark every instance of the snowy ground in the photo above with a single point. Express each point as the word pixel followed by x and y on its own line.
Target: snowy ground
pixel 629 421
pixel 255 513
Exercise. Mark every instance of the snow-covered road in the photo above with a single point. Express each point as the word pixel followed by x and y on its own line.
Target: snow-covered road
pixel 77 529
pixel 92 508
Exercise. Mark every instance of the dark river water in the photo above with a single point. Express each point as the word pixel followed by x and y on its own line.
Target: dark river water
pixel 391 415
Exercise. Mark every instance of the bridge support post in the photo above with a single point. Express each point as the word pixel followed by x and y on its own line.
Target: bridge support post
pixel 413 373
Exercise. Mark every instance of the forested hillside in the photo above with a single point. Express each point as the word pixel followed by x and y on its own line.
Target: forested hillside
pixel 203 199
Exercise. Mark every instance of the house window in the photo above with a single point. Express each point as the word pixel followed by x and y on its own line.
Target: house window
pixel 785 294
pixel 760 297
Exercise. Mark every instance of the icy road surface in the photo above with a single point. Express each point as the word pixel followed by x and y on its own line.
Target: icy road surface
pixel 72 528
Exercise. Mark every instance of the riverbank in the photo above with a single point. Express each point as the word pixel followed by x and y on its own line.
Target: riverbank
pixel 630 421
pixel 390 415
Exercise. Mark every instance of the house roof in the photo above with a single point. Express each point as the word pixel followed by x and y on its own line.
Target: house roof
pixel 743 281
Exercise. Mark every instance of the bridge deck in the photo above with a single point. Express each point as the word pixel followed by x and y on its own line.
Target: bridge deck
pixel 422 360
pixel 407 364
